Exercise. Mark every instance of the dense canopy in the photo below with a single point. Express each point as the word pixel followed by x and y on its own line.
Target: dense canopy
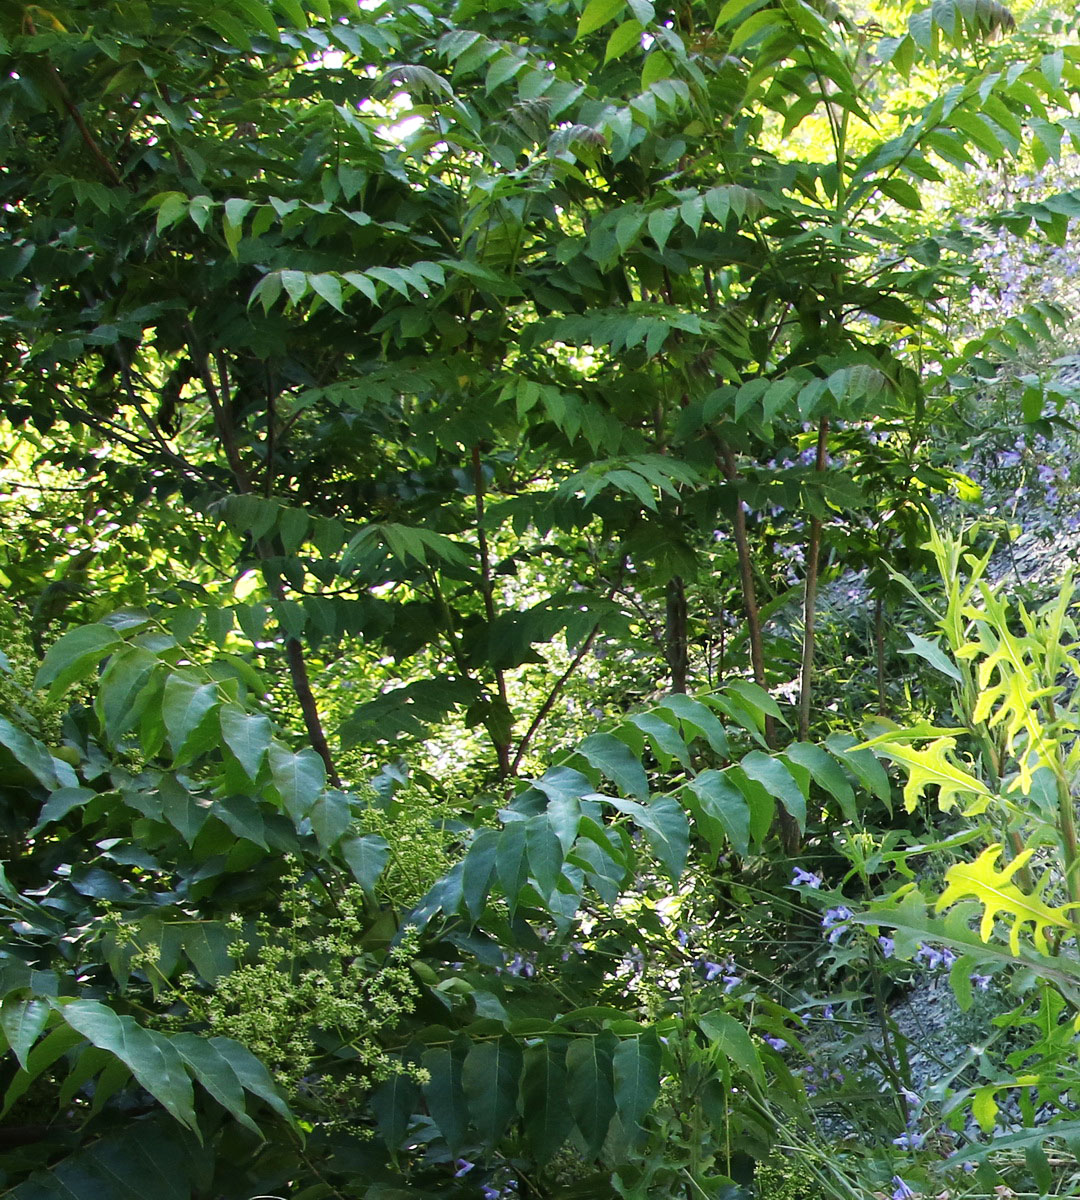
pixel 489 703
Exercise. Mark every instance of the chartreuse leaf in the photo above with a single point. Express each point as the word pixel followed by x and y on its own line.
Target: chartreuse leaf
pixel 490 1077
pixel 995 890
pixel 933 767
pixel 984 1106
pixel 598 13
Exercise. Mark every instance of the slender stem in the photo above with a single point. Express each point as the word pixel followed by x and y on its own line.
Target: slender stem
pixel 726 463
pixel 813 556
pixel 502 745
pixel 552 696
pixel 68 102
pixel 879 653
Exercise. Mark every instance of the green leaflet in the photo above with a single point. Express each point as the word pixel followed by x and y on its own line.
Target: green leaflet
pixel 544 1091
pixel 75 655
pixel 22 1019
pixel 247 735
pixel 366 856
pixel 733 1042
pixel 118 1167
pixel 150 1056
pixel 590 1086
pixel 995 890
pixel 490 1077
pixel 299 779
pixel 636 1064
pixel 445 1096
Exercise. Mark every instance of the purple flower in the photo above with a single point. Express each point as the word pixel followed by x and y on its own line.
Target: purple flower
pixel 901 1191
pixel 801 878
pixel 731 981
pixel 833 921
pixel 463 1167
pixel 827 1012
pixel 712 969
pixel 888 946
pixel 932 957
pixel 519 965
pixel 490 1192
pixel 910 1141
pixel 776 1043
pixel 982 982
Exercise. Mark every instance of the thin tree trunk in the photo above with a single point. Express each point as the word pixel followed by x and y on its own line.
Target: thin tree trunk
pixel 787 826
pixel 676 646
pixel 294 651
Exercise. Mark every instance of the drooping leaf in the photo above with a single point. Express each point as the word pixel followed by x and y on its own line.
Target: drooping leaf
pixel 636 1064
pixel 548 1120
pixel 366 856
pixel 185 704
pixel 721 800
pixel 445 1096
pixel 247 735
pixel 732 1040
pixel 74 656
pixel 590 1087
pixel 778 781
pixel 150 1056
pixel 23 1017
pixel 489 1077
pixel 826 773
pixel 614 759
pixel 298 777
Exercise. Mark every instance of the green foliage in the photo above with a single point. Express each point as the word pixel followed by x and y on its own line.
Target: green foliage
pixel 399 377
